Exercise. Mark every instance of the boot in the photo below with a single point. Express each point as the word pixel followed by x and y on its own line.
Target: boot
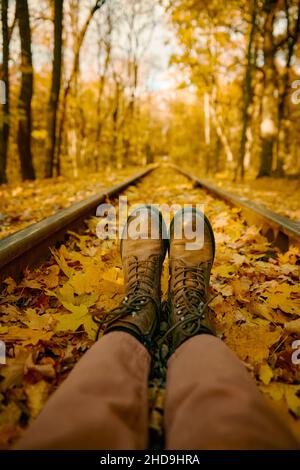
pixel 142 257
pixel 189 277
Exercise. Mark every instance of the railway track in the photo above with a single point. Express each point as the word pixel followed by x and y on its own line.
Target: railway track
pixel 30 246
pixel 47 312
pixel 279 230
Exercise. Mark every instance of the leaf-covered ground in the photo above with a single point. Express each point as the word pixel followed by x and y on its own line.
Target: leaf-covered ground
pixel 26 203
pixel 276 194
pixel 47 321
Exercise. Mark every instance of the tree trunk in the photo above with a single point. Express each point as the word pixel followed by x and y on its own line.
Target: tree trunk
pixel 222 136
pixel 282 140
pixel 217 153
pixel 102 81
pixel 4 132
pixel 131 113
pixel 207 131
pixel 248 93
pixel 25 98
pixel 268 128
pixel 55 87
pixel 115 119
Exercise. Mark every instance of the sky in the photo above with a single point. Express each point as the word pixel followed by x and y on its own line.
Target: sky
pixel 157 76
pixel 162 46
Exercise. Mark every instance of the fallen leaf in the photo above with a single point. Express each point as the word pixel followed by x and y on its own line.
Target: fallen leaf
pixel 252 342
pixel 288 393
pixel 37 395
pixel 265 373
pixel 293 326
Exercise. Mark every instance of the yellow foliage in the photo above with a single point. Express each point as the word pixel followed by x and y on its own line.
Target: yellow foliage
pixel 252 342
pixel 255 308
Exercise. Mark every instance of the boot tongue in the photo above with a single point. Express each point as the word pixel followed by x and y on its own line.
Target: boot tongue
pixel 194 291
pixel 137 285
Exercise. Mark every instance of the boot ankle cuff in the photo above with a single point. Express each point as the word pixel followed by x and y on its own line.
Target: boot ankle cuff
pixel 203 330
pixel 146 341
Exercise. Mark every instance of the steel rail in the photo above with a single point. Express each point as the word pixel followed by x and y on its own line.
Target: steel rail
pixel 30 246
pixel 279 230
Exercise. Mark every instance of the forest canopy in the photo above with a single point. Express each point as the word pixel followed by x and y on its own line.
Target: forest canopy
pixel 88 85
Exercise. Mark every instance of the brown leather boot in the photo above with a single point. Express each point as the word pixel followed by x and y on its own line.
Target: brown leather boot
pixel 189 276
pixel 142 256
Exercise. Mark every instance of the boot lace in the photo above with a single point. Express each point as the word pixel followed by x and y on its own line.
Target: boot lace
pixel 189 299
pixel 138 292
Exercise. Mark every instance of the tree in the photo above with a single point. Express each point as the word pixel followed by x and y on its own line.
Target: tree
pixel 5 122
pixel 74 72
pixel 106 44
pixel 55 87
pixel 293 33
pixel 247 91
pixel 268 126
pixel 26 91
pixel 4 134
pixel 209 52
pixel 139 23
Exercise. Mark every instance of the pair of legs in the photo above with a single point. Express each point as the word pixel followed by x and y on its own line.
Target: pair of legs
pixel 211 401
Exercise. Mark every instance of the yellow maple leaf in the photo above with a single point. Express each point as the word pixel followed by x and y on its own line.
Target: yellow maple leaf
pixel 113 274
pixel 14 370
pixel 37 395
pixel 50 277
pixel 279 391
pixel 31 284
pixel 265 373
pixel 224 270
pixel 24 335
pixel 241 288
pixel 87 281
pixel 81 283
pixel 260 309
pixel 72 321
pixel 11 284
pixel 293 326
pixel 38 322
pixel 284 296
pixel 251 341
pixel 62 263
pixel 76 304
pixel 10 414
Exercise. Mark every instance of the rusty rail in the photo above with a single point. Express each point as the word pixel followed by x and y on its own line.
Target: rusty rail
pixel 30 246
pixel 279 230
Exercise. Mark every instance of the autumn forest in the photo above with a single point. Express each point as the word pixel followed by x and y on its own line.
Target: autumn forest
pixel 164 102
pixel 85 86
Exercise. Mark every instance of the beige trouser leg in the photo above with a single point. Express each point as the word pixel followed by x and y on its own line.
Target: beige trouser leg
pixel 103 404
pixel 212 402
